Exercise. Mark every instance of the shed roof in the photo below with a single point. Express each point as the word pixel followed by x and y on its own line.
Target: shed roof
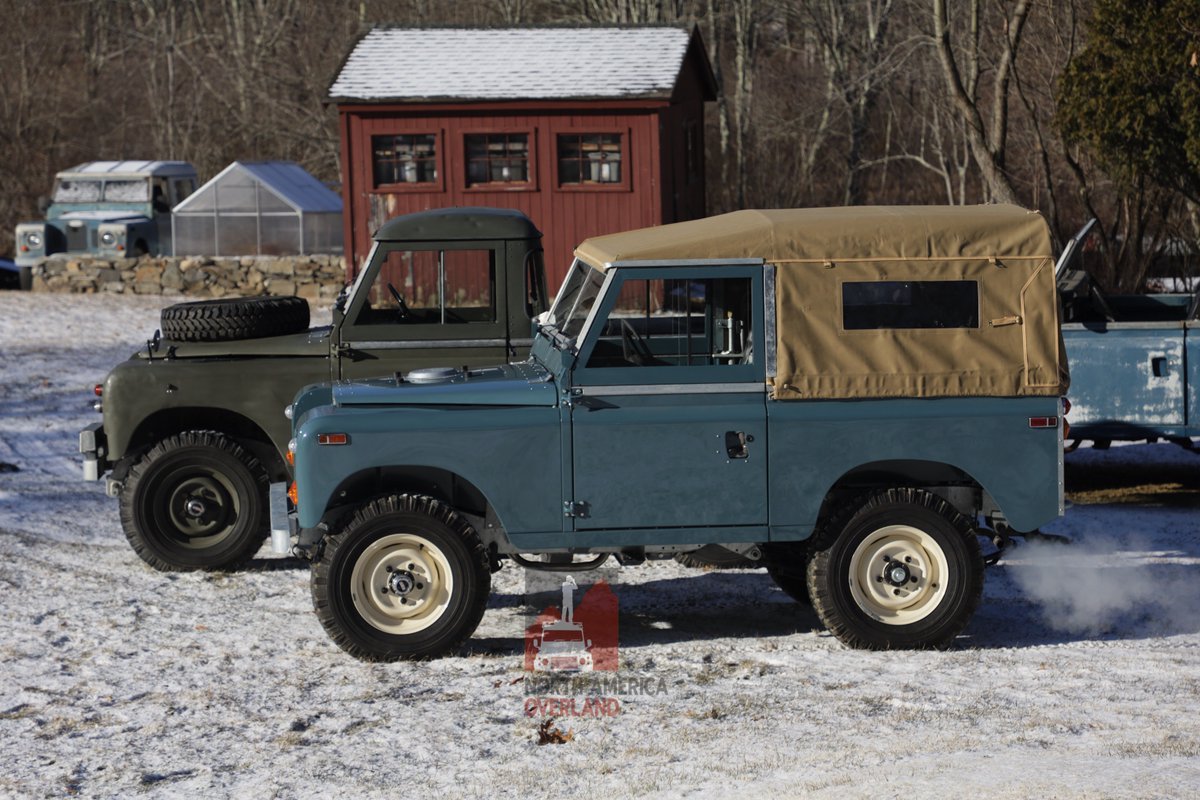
pixel 287 180
pixel 116 169
pixel 851 233
pixel 425 64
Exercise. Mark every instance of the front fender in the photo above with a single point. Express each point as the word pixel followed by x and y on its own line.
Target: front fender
pixel 140 390
pixel 511 454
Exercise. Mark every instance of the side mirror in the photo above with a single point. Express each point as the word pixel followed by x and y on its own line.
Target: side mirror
pixel 537 644
pixel 43 204
pixel 589 644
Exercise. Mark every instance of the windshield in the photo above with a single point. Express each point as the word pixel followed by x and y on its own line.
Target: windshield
pixel 135 191
pixel 579 293
pixel 72 191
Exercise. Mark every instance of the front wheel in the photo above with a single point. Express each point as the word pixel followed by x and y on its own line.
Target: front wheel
pixel 407 578
pixel 901 571
pixel 195 501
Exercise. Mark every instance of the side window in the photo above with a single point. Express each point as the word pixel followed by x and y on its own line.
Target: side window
pixel 589 159
pixel 432 287
pixel 497 158
pixel 536 300
pixel 404 158
pixel 683 322
pixel 876 305
pixel 183 188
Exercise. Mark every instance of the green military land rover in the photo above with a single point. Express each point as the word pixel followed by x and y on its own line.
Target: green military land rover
pixel 192 434
pixel 846 396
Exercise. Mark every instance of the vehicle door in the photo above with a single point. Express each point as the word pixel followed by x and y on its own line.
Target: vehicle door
pixel 1127 374
pixel 432 305
pixel 668 423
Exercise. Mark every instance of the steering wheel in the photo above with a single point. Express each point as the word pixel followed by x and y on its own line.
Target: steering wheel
pixel 634 347
pixel 404 312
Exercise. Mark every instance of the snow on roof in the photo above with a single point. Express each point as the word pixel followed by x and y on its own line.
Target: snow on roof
pixel 512 63
pixel 116 168
pixel 287 180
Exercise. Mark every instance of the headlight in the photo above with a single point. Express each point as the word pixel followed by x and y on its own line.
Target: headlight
pixel 108 239
pixel 33 239
pixel 287 412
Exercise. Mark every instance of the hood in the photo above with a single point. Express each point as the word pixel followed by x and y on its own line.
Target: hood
pixel 102 215
pixel 311 343
pixel 525 384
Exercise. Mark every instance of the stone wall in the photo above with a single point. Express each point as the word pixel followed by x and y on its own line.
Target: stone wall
pixel 318 277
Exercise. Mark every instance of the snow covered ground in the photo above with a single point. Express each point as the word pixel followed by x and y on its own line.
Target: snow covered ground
pixel 1078 677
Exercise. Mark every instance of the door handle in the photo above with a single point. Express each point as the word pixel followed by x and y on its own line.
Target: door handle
pixel 1158 364
pixel 735 444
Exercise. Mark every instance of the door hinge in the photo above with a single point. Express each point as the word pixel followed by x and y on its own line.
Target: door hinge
pixel 575 509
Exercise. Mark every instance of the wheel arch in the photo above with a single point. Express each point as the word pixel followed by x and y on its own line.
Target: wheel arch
pixel 446 486
pixel 238 427
pixel 954 484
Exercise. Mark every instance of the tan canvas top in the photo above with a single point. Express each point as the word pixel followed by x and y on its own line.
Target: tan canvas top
pixel 1015 350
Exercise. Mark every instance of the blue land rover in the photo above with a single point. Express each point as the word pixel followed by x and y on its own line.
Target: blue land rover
pixel 848 397
pixel 111 208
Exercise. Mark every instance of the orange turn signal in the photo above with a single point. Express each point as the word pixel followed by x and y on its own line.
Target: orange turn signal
pixel 333 438
pixel 291 458
pixel 294 495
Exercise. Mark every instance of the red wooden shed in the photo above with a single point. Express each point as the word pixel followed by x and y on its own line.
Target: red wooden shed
pixel 585 130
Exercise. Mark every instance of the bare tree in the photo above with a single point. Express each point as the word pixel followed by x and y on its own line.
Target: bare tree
pixel 988 139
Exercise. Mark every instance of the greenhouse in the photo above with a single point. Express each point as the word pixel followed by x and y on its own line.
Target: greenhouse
pixel 259 208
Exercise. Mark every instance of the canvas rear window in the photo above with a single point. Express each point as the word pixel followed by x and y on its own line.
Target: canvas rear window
pixel 877 305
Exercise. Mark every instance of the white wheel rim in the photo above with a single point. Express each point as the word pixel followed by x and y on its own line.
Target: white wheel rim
pixel 882 559
pixel 401 584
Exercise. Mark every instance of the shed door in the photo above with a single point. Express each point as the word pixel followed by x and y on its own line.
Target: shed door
pixel 669 421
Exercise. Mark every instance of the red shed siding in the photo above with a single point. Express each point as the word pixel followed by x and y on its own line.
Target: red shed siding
pixel 566 215
pixel 655 188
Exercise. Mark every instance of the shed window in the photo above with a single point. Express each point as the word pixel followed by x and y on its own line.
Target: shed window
pixel 405 158
pixel 875 305
pixel 497 158
pixel 589 158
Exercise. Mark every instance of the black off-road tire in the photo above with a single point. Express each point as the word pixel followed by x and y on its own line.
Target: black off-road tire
pixel 787 564
pixel 846 578
pixel 238 318
pixel 158 512
pixel 410 539
pixel 713 556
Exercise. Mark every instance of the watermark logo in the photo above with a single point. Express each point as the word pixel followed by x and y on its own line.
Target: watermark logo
pixel 571 658
pixel 575 637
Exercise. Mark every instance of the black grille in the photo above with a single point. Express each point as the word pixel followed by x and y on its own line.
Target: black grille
pixel 77 238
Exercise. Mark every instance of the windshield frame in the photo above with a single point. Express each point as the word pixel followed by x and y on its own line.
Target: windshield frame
pixel 559 321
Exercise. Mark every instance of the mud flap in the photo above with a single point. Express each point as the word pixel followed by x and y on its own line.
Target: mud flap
pixel 281 535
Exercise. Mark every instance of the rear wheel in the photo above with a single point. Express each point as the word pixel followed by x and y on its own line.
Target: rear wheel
pixel 407 578
pixel 195 501
pixel 902 570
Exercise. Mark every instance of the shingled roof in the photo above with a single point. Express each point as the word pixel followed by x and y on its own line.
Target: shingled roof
pixel 426 64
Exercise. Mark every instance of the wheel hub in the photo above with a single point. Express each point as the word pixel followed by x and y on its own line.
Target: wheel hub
pixel 401 582
pixel 194 507
pixel 896 573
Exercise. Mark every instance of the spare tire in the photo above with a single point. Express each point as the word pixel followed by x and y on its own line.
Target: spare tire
pixel 240 318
